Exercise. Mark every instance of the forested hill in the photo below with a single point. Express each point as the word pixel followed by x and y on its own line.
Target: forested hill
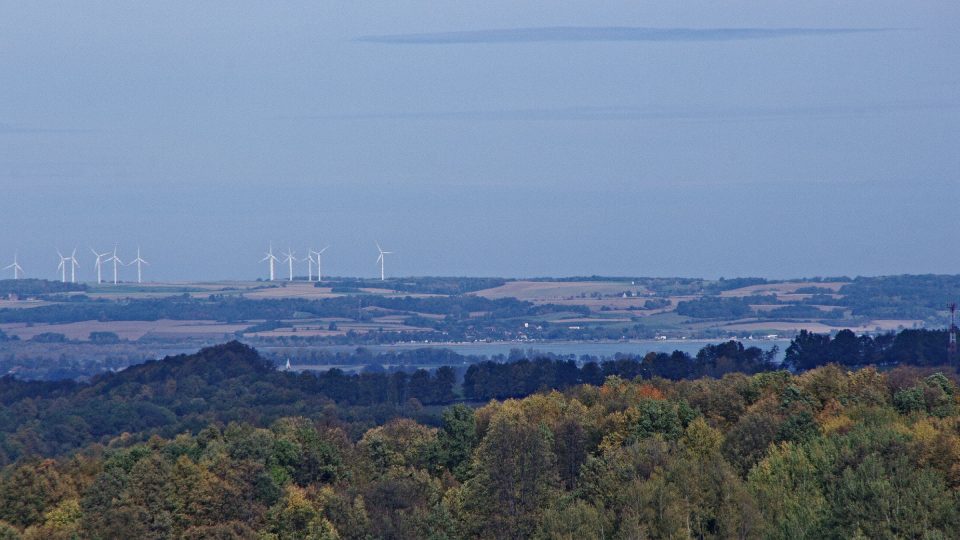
pixel 211 366
pixel 225 383
pixel 231 382
pixel 825 454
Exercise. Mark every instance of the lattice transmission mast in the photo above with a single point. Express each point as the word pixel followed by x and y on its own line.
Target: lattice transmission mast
pixel 952 345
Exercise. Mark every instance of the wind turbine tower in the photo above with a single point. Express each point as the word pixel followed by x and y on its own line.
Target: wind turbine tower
pixel 309 260
pixel 98 264
pixel 115 260
pixel 73 265
pixel 952 345
pixel 139 262
pixel 381 259
pixel 319 265
pixel 62 267
pixel 17 269
pixel 272 259
pixel 289 260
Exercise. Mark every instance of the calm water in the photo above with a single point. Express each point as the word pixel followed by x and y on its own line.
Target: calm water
pixel 577 348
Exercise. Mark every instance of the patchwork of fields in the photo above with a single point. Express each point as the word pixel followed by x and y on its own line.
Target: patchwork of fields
pixel 646 307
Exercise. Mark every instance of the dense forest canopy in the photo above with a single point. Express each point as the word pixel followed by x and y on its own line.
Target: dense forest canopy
pixel 825 454
pixel 233 382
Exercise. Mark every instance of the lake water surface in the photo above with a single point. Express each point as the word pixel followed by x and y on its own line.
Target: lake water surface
pixel 577 348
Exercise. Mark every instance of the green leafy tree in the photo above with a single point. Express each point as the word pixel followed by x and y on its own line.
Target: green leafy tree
pixel 296 517
pixel 572 520
pixel 8 531
pixel 514 476
pixel 29 490
pixel 789 494
pixel 747 442
pixel 457 438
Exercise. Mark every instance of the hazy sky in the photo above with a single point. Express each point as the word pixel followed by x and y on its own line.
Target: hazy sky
pixel 694 138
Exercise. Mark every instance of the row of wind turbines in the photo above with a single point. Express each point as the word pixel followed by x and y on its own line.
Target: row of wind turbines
pixel 73 263
pixel 313 257
pixel 67 268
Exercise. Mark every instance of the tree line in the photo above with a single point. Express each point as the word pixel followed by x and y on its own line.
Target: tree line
pixel 911 347
pixel 498 380
pixel 232 382
pixel 37 287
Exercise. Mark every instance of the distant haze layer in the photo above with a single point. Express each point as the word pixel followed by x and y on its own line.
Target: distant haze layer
pixel 683 138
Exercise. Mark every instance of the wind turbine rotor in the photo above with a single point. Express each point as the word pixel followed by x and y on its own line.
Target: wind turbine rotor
pixel 17 269
pixel 271 259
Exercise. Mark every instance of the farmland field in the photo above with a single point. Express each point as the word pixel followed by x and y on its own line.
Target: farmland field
pixel 365 312
pixel 544 291
pixel 128 330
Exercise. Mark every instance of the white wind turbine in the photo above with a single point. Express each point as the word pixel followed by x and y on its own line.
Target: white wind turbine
pixel 309 260
pixel 381 259
pixel 139 262
pixel 73 265
pixel 116 261
pixel 289 260
pixel 319 263
pixel 99 264
pixel 62 267
pixel 17 269
pixel 273 260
